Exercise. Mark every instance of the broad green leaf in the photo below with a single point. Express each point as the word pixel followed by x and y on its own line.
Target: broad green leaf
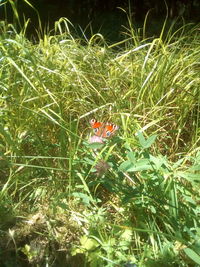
pixel 127 147
pixel 131 156
pixel 158 161
pixel 195 168
pixel 150 140
pixel 95 145
pixel 192 255
pixel 141 165
pixel 126 165
pixel 85 198
pixel 189 176
pixel 146 143
pixel 141 162
pixel 141 139
pixel 140 168
pixel 88 243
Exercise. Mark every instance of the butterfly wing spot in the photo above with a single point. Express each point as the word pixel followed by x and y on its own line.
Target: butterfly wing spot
pixel 116 127
pixel 109 130
pixel 96 130
pixel 108 134
pixel 97 126
pixel 92 121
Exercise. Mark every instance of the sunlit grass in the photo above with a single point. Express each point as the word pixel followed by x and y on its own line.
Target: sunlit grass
pixel 144 207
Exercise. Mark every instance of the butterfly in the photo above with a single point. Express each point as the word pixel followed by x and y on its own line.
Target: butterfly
pixel 103 130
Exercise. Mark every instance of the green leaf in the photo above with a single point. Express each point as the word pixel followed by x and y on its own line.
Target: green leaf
pixel 195 168
pixel 158 161
pixel 143 162
pixel 131 156
pixel 85 198
pixel 127 235
pixel 141 165
pixel 178 163
pixel 189 176
pixel 91 162
pixel 150 141
pixel 7 136
pixel 126 165
pixel 192 255
pixel 141 138
pixel 146 143
pixel 95 145
pixel 88 243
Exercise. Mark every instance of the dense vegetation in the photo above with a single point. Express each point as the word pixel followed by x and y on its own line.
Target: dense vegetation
pixel 132 200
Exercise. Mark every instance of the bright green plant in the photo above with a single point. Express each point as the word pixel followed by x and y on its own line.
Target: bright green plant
pixel 136 198
pixel 157 210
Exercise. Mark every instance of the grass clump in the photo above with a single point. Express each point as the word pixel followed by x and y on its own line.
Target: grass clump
pixel 132 200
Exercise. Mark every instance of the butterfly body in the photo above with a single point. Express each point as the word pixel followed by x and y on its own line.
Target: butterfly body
pixel 103 130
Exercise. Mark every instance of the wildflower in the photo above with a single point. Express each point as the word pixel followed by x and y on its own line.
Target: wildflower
pixel 96 139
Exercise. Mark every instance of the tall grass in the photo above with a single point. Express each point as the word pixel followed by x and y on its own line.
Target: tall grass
pixel 136 200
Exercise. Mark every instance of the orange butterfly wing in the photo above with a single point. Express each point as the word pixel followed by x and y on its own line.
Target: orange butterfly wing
pixel 97 127
pixel 109 130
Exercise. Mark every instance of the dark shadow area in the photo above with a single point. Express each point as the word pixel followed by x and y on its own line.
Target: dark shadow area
pixel 105 17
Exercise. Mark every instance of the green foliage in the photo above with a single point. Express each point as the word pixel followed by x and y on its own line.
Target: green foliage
pixel 151 208
pixel 131 200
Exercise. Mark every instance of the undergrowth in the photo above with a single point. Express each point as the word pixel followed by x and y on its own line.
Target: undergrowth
pixel 132 200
